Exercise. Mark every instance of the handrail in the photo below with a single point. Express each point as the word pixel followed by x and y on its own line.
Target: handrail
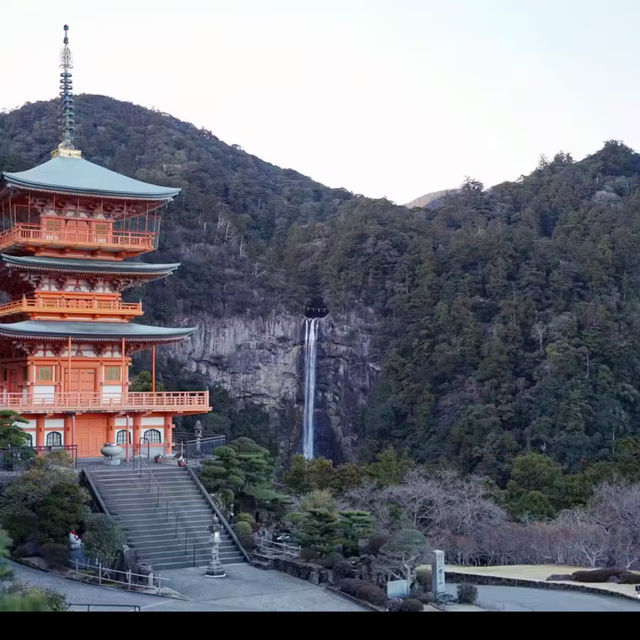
pixel 36 233
pixel 217 511
pixel 179 400
pixel 133 607
pixel 96 494
pixel 279 547
pixel 69 304
pixel 177 516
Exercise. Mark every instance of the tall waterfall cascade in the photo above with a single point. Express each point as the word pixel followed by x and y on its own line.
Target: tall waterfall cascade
pixel 310 351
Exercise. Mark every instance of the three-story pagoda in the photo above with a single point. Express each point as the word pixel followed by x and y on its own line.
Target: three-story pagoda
pixel 66 336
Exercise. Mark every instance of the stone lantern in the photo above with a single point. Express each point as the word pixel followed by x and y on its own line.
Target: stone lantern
pixel 215 568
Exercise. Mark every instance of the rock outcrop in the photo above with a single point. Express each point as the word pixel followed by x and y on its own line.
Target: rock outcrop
pixel 260 360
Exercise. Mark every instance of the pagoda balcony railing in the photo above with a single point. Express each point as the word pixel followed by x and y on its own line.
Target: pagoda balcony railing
pixel 72 305
pixel 174 401
pixel 33 234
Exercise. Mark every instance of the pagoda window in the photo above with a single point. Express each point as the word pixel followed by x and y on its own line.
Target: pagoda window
pixel 112 374
pixel 152 436
pixel 54 439
pixel 52 226
pixel 45 374
pixel 121 437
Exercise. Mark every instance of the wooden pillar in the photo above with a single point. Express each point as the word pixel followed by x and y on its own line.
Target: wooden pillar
pixel 122 368
pixel 137 433
pixel 153 368
pixel 111 429
pixel 69 435
pixel 40 431
pixel 168 435
pixel 68 388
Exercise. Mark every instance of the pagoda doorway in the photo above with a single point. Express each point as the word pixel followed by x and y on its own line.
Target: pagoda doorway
pixel 81 381
pixel 90 434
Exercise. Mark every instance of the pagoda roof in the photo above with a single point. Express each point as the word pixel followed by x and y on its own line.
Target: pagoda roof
pixel 93 331
pixel 74 265
pixel 77 176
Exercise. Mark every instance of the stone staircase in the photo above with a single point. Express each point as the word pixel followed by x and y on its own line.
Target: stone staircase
pixel 165 519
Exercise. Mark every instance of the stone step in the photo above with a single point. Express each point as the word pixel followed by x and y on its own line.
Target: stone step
pixel 159 518
pixel 150 526
pixel 186 504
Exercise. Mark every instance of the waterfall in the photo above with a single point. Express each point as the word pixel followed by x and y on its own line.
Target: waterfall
pixel 310 350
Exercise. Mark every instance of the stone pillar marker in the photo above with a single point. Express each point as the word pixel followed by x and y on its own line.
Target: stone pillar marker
pixel 215 568
pixel 437 573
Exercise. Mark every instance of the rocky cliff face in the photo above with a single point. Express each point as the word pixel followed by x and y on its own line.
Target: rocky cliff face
pixel 261 359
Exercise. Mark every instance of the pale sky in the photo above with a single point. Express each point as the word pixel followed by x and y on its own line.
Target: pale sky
pixel 391 98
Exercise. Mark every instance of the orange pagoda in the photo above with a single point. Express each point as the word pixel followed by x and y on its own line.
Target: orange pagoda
pixel 66 336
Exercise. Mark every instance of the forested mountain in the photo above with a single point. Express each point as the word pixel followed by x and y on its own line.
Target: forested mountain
pixel 504 320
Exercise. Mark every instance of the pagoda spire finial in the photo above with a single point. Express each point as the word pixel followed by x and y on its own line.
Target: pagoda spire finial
pixel 66 108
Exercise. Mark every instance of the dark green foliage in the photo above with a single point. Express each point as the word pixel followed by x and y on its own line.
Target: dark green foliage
pixel 5 543
pixel 354 526
pixel 62 510
pixel 296 478
pixel 56 554
pixel 103 538
pixel 389 467
pixel 242 472
pixel 143 381
pixel 319 473
pixel 411 605
pixel 467 593
pixel 43 505
pixel 249 519
pixel 18 596
pixel 245 535
pixel 11 435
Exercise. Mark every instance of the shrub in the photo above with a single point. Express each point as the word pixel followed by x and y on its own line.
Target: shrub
pixel 103 539
pixel 467 593
pixel 376 542
pixel 423 576
pixel 56 555
pixel 626 577
pixel 350 585
pixel 597 575
pixel 395 604
pixel 248 518
pixel 342 569
pixel 23 597
pixel 411 604
pixel 371 593
pixel 245 535
pixel 330 560
pixel 309 555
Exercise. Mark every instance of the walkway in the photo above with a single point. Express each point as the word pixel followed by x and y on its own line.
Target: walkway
pixel 244 589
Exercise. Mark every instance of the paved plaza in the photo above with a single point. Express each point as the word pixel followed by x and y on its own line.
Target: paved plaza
pixel 244 589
